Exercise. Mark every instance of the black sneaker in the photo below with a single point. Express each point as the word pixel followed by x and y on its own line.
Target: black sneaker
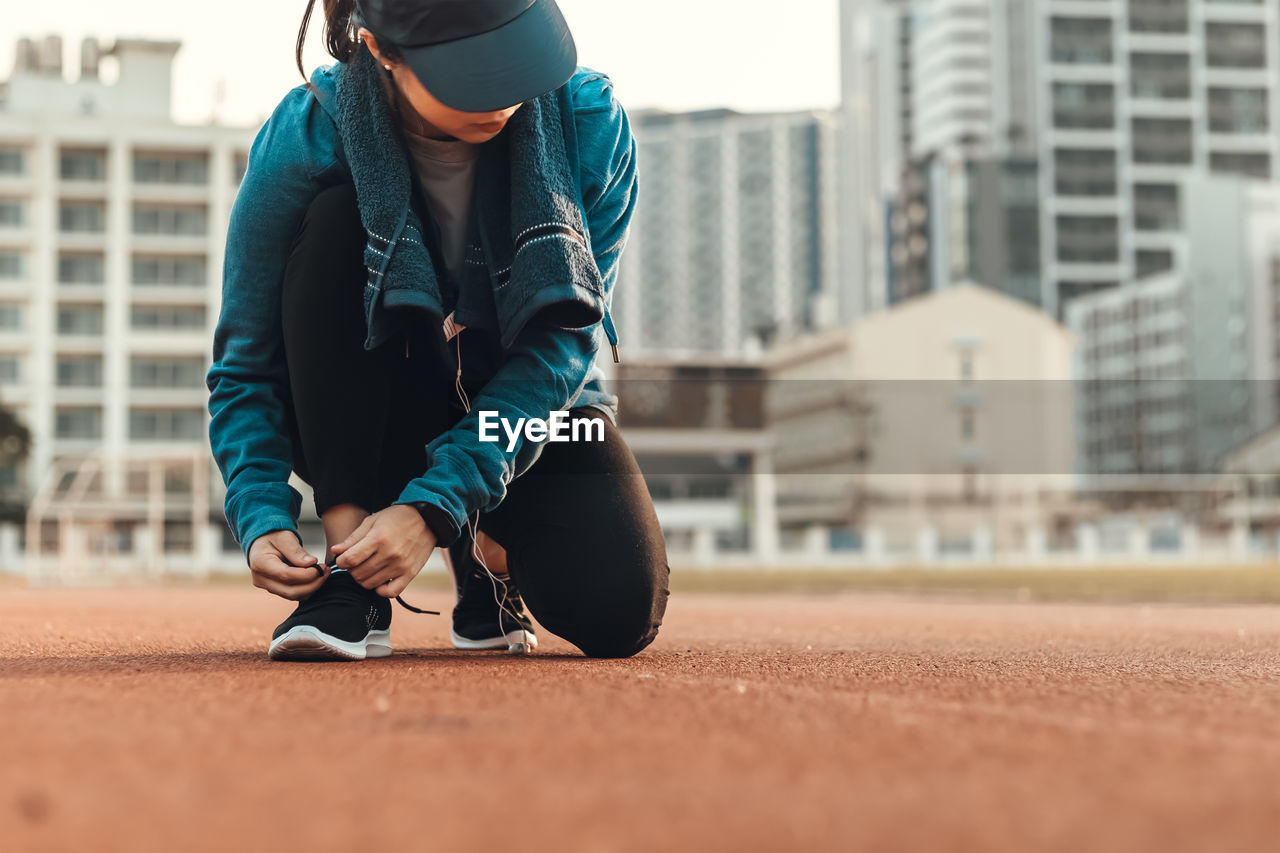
pixel 478 624
pixel 339 621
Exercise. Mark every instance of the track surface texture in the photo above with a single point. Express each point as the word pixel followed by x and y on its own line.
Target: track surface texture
pixel 151 719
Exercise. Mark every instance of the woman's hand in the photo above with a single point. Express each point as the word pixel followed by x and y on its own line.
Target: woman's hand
pixel 387 550
pixel 281 565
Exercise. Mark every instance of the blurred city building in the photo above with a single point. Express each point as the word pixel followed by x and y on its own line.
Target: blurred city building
pixel 697 429
pixel 947 417
pixel 1178 368
pixel 1252 507
pixel 112 228
pixel 1117 101
pixel 967 219
pixel 735 242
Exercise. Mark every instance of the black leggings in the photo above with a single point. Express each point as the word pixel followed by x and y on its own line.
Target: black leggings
pixel 583 542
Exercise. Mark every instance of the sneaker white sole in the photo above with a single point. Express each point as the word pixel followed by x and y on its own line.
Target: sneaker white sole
pixel 515 642
pixel 303 642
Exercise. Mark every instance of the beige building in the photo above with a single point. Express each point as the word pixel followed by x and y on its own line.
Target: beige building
pixel 943 424
pixel 112 229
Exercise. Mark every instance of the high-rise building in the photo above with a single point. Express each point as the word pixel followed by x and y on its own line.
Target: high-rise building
pixel 112 228
pixel 734 244
pixel 1116 99
pixel 1177 368
pixel 875 139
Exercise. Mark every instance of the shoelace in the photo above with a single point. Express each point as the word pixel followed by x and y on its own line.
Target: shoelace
pixel 406 605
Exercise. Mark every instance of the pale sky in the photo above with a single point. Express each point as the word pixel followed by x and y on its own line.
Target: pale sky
pixel 675 54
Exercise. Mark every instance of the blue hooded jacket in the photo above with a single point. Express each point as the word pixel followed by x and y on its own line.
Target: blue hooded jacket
pixel 545 368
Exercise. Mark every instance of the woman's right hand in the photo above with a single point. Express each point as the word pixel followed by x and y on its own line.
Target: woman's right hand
pixel 280 565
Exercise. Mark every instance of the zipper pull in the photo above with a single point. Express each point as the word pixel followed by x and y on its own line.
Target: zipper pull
pixel 612 335
pixel 406 346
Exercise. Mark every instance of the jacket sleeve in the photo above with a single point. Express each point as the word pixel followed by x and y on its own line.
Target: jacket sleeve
pixel 547 365
pixel 248 380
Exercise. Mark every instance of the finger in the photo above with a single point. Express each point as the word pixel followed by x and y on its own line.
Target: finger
pixel 293 592
pixel 379 575
pixel 278 570
pixel 357 559
pixel 396 585
pixel 359 553
pixel 355 536
pixel 293 552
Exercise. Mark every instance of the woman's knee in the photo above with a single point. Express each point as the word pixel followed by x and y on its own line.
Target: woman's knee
pixel 622 624
pixel 330 237
pixel 334 208
pixel 325 268
pixel 609 605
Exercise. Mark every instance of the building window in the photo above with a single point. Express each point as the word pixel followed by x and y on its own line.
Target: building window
pixel 1155 207
pixel 171 168
pixel 166 424
pixel 1084 106
pixel 1149 262
pixel 148 372
pixel 178 535
pixel 11 213
pixel 239 165
pixel 88 217
pixel 970 478
pixel 12 161
pixel 1238 109
pixel 80 268
pixel 164 317
pixel 1081 41
pixel 1245 163
pixel 10 368
pixel 10 316
pixel 1163 76
pixel 80 319
pixel 1162 140
pixel 1158 16
pixel 186 271
pixel 84 165
pixel 1088 239
pixel 1085 171
pixel 175 219
pixel 10 265
pixel 80 371
pixel 1231 45
pixel 78 422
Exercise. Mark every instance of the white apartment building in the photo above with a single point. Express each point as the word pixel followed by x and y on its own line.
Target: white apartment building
pixel 875 139
pixel 1136 96
pixel 112 228
pixel 1117 100
pixel 735 240
pixel 1178 368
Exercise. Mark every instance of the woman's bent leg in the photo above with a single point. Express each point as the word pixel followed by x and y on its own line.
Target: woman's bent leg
pixel 360 416
pixel 584 545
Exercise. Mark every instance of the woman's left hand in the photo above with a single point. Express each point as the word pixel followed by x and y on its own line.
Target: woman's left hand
pixel 387 550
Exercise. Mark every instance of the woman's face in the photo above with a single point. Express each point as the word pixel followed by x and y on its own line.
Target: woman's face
pixel 438 120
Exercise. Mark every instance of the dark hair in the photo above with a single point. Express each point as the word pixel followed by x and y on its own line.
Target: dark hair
pixel 341 23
